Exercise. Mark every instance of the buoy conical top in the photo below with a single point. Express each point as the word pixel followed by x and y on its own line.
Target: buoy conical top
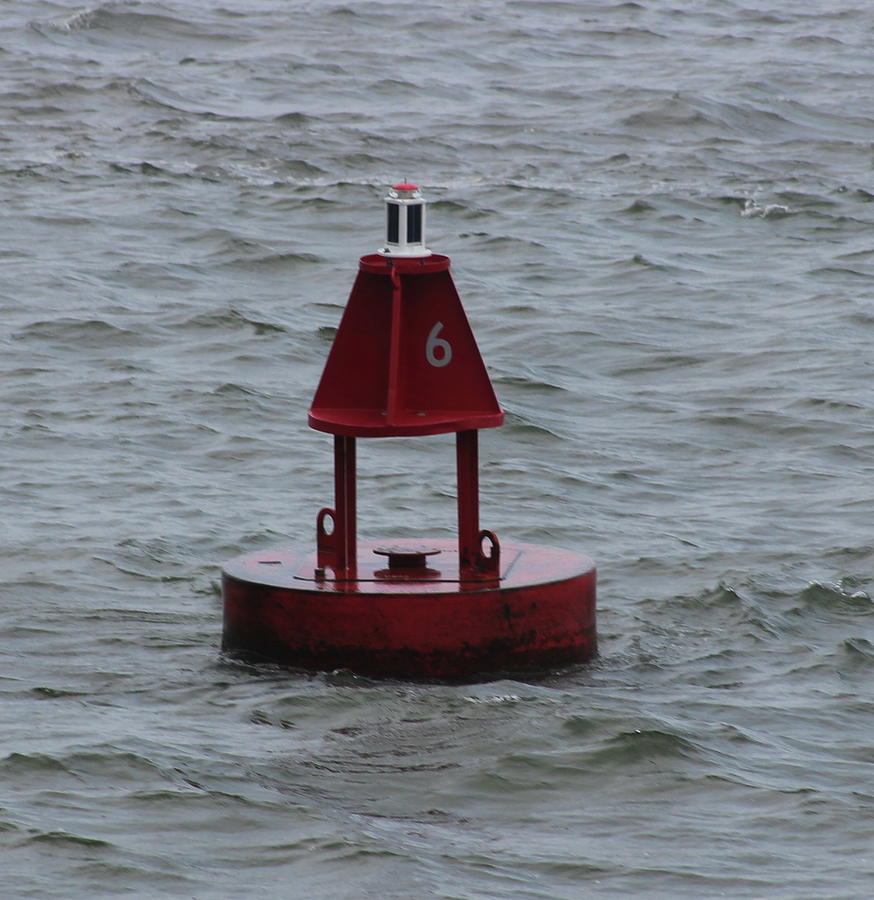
pixel 404 360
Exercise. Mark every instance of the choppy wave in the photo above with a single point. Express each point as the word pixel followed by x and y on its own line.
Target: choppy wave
pixel 659 220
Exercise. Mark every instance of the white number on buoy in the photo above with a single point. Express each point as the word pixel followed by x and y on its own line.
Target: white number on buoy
pixel 435 343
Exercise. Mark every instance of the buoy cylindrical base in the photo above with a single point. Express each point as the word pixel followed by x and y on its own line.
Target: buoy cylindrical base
pixel 412 621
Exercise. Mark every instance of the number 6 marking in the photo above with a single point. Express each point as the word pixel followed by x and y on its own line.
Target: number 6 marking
pixel 435 343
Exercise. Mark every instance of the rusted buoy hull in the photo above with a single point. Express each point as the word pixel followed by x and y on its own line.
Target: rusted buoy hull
pixel 412 623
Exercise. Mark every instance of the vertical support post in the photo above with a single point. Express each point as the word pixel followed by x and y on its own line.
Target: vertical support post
pixel 345 504
pixel 338 549
pixel 467 458
pixel 472 561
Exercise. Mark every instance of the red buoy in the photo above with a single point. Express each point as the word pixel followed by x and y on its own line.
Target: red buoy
pixel 405 362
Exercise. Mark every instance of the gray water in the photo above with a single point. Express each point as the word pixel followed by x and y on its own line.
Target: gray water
pixel 660 221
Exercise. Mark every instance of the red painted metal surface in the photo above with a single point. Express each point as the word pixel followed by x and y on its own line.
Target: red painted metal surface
pixel 404 360
pixel 412 621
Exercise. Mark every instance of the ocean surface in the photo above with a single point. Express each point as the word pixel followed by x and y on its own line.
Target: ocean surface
pixel 660 221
